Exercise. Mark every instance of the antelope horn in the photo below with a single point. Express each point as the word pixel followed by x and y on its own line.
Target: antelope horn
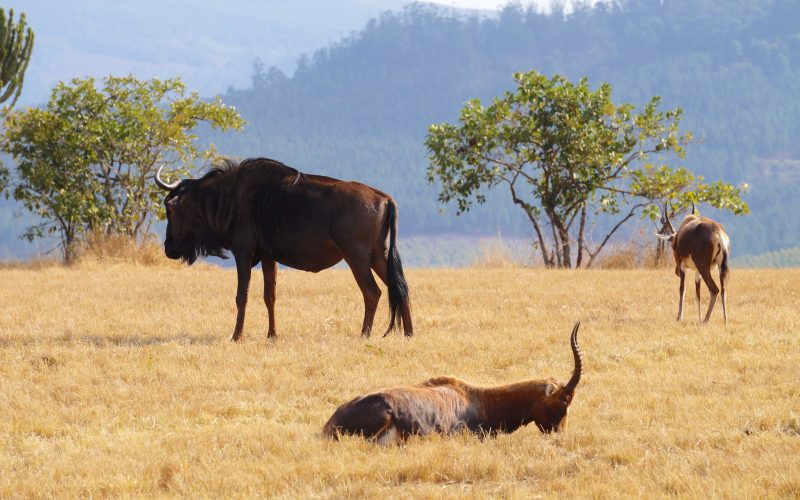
pixel 692 207
pixel 569 389
pixel 163 185
pixel 666 216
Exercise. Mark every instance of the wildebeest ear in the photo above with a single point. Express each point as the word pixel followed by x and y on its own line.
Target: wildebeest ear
pixel 550 389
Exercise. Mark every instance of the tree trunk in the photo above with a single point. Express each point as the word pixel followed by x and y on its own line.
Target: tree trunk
pixel 581 245
pixel 563 235
pixel 68 246
pixel 561 240
pixel 559 261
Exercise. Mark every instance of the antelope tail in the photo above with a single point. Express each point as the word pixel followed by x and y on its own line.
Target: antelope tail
pixel 724 269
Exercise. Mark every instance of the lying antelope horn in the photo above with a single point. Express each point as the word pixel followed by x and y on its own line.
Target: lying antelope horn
pixel 569 389
pixel 163 185
pixel 692 207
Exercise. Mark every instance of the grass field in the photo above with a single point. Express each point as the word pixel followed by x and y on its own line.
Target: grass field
pixel 119 380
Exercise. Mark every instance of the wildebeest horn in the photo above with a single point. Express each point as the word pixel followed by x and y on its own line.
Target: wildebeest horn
pixel 569 389
pixel 163 185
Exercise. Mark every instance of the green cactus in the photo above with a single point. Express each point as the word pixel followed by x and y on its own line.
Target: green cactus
pixel 16 44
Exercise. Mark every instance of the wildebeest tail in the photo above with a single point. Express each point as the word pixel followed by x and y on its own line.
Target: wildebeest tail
pixel 398 288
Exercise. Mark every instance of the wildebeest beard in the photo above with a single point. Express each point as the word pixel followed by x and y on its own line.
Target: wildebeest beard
pixel 203 242
pixel 202 247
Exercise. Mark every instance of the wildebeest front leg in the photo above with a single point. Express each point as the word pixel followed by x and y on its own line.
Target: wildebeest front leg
pixel 270 270
pixel 243 266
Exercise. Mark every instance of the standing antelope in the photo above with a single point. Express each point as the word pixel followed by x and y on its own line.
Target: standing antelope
pixel 446 405
pixel 700 244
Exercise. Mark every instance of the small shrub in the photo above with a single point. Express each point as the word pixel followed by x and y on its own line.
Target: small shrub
pixel 100 247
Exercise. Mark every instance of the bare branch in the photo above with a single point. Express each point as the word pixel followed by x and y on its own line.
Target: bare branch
pixel 608 236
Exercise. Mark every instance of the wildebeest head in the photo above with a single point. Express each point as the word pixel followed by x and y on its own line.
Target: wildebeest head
pixel 188 234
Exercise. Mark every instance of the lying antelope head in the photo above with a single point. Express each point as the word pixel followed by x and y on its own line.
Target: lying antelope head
pixel 446 405
pixel 700 244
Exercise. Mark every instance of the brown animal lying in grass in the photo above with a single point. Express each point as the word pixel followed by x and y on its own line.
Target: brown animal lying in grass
pixel 447 405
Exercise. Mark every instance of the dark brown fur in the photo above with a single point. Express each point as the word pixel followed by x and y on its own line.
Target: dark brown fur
pixel 701 244
pixel 446 405
pixel 263 211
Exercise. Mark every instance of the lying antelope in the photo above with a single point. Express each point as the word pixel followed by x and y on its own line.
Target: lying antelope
pixel 446 405
pixel 700 244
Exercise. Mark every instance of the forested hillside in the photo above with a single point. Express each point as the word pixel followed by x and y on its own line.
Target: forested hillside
pixel 360 108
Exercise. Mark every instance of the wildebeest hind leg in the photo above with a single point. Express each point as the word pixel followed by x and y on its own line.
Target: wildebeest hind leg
pixel 369 288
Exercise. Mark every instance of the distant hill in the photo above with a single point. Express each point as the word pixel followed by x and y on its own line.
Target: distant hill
pixel 361 108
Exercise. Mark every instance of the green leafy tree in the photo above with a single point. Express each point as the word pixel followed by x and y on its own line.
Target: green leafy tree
pixel 85 162
pixel 566 153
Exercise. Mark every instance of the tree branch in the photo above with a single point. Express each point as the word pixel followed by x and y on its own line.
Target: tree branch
pixel 608 236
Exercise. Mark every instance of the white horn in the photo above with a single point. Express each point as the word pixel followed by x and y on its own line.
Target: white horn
pixel 163 185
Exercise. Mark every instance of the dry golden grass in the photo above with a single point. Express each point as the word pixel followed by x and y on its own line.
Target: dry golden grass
pixel 119 248
pixel 119 380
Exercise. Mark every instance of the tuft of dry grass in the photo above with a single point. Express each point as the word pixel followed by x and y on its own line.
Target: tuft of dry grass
pixel 120 381
pixel 100 248
pixel 497 253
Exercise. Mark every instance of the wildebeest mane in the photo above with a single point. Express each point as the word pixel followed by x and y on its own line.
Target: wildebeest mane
pixel 275 180
pixel 222 207
pixel 229 166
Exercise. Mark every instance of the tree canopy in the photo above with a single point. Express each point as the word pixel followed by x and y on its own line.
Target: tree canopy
pixel 86 160
pixel 566 153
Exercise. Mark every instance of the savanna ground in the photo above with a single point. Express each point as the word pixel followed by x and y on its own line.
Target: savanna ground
pixel 119 380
